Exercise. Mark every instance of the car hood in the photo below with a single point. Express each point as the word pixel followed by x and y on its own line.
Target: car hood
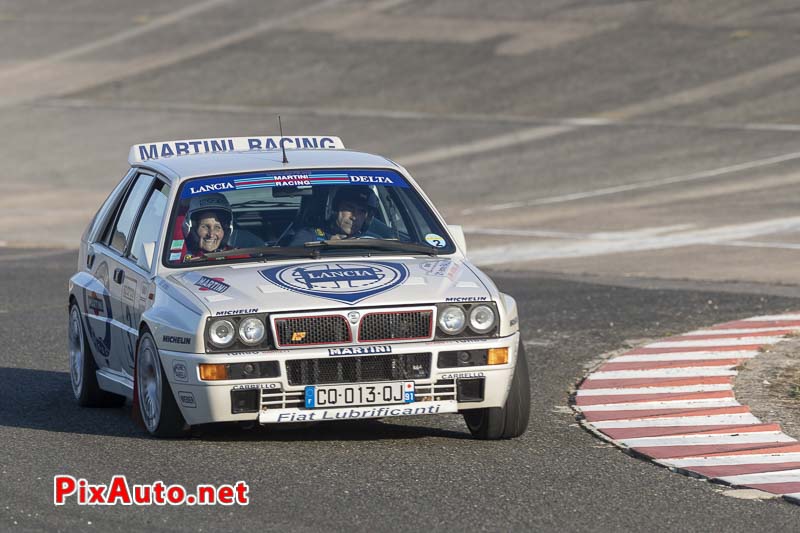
pixel 325 284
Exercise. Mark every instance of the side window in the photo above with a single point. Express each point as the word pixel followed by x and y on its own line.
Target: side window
pixel 103 216
pixel 150 223
pixel 127 216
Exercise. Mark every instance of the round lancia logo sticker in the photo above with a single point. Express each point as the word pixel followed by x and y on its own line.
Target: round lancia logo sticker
pixel 347 282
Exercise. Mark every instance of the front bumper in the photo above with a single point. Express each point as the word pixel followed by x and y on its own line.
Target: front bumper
pixel 280 401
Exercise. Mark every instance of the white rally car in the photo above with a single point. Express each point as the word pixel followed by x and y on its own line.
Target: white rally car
pixel 285 280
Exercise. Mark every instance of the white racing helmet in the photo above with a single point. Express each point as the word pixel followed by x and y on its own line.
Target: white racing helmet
pixel 215 203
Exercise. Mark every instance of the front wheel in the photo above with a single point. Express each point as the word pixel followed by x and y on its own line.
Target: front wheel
pixel 160 413
pixel 511 420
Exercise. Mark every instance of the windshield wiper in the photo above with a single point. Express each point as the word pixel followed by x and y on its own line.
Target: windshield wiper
pixel 264 251
pixel 381 244
pixel 312 249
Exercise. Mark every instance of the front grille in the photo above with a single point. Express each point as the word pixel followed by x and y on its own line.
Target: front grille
pixel 301 331
pixel 400 325
pixel 388 367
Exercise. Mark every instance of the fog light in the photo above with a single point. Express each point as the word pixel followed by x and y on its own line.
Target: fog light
pixel 462 358
pixel 213 372
pixel 497 356
pixel 244 401
pixel 264 369
pixel 470 390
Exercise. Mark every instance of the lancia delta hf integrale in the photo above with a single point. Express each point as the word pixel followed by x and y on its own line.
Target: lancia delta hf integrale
pixel 286 280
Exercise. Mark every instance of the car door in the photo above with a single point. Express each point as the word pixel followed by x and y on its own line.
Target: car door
pixel 96 295
pixel 138 267
pixel 112 265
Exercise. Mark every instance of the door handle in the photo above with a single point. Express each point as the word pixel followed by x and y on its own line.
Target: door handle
pixel 119 275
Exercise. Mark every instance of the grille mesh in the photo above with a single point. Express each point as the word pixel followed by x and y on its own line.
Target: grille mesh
pixel 396 325
pixel 388 367
pixel 312 330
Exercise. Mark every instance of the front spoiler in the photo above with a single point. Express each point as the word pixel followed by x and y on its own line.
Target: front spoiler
pixel 274 416
pixel 203 402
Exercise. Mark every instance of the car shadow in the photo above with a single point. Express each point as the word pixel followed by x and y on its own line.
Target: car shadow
pixel 43 400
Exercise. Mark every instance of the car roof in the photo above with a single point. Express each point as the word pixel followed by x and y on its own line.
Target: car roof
pixel 210 164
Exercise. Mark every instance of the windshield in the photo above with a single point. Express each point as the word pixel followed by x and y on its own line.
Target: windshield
pixel 300 213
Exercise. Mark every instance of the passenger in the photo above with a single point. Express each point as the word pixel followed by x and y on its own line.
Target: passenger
pixel 208 225
pixel 353 209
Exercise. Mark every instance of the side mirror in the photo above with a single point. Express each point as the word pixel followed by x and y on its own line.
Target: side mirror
pixel 146 256
pixel 457 232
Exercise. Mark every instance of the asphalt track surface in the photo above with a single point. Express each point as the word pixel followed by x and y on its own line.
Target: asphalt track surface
pixel 397 474
pixel 628 169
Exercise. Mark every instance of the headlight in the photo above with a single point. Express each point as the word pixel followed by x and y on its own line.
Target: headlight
pixel 452 320
pixel 252 331
pixel 222 333
pixel 481 319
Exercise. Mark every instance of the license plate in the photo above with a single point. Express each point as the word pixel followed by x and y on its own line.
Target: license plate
pixel 317 396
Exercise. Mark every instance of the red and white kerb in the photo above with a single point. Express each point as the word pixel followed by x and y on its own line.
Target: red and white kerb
pixel 672 401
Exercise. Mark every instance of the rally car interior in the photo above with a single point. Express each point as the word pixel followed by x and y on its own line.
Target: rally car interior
pixel 259 222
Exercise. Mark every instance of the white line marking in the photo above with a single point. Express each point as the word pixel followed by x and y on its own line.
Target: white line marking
pixel 755 244
pixel 737 331
pixel 740 419
pixel 741 341
pixel 33 255
pixel 718 87
pixel 733 460
pixel 520 251
pixel 35 85
pixel 699 371
pixel 484 145
pixel 766 126
pixel 709 403
pixel 605 191
pixel 774 318
pixel 400 114
pixel 655 390
pixel 598 236
pixel 702 440
pixel 117 38
pixel 732 354
pixel 781 476
pixel 701 356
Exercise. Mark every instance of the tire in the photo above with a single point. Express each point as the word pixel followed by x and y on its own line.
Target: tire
pixel 156 404
pixel 511 420
pixel 83 368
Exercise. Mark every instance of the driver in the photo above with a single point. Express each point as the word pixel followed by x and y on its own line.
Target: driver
pixel 207 226
pixel 353 209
